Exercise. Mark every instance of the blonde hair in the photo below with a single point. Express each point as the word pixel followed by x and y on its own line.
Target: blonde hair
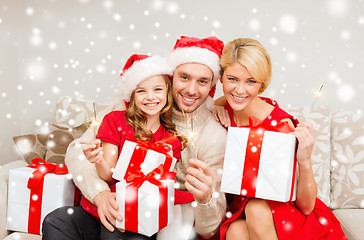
pixel 138 120
pixel 251 54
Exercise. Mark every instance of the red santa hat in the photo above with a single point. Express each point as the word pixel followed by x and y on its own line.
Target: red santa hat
pixel 138 68
pixel 206 51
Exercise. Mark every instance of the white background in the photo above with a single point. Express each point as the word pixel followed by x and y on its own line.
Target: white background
pixel 52 48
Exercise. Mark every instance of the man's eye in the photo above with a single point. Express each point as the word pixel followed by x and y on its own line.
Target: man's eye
pixel 203 81
pixel 184 77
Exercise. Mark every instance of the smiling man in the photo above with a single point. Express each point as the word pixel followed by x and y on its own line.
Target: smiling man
pixel 196 71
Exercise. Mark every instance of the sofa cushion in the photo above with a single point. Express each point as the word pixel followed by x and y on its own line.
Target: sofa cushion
pixel 351 222
pixel 320 119
pixel 23 236
pixel 31 146
pixel 347 160
pixel 58 140
pixel 72 112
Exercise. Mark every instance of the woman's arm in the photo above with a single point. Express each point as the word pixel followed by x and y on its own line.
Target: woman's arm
pixel 219 112
pixel 306 186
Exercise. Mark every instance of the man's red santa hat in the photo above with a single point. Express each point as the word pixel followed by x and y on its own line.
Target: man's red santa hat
pixel 206 51
pixel 138 68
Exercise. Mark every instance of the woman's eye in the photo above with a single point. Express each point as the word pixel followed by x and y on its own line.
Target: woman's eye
pixel 158 89
pixel 232 79
pixel 252 81
pixel 140 91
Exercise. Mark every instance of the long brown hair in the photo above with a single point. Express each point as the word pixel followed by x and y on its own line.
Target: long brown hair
pixel 138 120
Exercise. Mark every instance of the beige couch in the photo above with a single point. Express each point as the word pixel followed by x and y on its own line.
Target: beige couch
pixel 338 158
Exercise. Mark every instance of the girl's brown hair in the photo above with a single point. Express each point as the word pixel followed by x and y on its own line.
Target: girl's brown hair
pixel 137 119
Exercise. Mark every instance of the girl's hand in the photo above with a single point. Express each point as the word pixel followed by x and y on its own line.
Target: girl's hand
pixel 93 151
pixel 306 139
pixel 221 115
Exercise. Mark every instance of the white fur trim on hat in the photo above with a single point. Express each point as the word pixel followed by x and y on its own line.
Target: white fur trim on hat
pixel 139 71
pixel 196 55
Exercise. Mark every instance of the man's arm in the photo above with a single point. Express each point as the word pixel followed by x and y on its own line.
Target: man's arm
pixel 205 176
pixel 91 185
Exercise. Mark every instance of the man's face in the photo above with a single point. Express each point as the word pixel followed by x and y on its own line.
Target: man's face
pixel 191 85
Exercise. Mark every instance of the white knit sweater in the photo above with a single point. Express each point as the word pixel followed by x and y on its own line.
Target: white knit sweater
pixel 208 145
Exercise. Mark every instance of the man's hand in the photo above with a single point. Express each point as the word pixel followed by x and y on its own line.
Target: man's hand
pixel 107 209
pixel 199 180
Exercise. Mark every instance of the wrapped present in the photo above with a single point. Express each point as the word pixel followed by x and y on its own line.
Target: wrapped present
pixel 143 155
pixel 146 201
pixel 260 161
pixel 36 190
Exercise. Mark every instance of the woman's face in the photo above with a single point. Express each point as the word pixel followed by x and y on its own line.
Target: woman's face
pixel 239 86
pixel 151 95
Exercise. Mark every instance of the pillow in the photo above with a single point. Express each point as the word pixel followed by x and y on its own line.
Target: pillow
pixel 58 140
pixel 31 146
pixel 72 112
pixel 320 119
pixel 347 160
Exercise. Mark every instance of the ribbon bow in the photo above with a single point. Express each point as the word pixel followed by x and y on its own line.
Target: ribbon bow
pixel 283 127
pixel 137 177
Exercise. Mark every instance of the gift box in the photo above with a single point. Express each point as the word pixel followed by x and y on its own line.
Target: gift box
pixel 145 210
pixel 145 193
pixel 34 191
pixel 260 162
pixel 143 155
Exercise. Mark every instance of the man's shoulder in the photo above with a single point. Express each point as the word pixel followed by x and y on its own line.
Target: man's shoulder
pixel 212 126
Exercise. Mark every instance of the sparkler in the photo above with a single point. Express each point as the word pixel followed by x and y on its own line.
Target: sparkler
pixel 190 117
pixel 317 95
pixel 94 122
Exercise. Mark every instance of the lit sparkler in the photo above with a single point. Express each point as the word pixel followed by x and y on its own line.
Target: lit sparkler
pixel 317 95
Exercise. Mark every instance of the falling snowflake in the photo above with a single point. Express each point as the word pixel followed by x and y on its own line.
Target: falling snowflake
pixel 288 24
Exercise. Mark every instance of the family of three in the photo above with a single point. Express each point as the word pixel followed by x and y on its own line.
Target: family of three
pixel 153 106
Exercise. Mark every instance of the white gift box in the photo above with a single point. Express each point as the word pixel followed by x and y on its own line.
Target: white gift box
pixel 148 219
pixel 277 168
pixel 58 191
pixel 152 160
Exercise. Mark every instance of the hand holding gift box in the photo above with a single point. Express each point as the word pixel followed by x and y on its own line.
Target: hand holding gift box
pixel 260 161
pixel 36 190
pixel 145 194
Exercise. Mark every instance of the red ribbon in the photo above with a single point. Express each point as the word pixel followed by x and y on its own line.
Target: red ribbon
pixel 35 184
pixel 142 148
pixel 137 178
pixel 253 151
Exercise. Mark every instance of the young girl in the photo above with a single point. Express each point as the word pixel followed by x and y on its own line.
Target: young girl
pixel 246 68
pixel 146 91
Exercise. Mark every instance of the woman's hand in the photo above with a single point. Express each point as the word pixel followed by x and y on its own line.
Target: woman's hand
pixel 93 152
pixel 221 115
pixel 306 139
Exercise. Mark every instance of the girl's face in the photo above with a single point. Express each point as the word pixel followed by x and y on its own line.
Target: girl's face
pixel 239 86
pixel 151 95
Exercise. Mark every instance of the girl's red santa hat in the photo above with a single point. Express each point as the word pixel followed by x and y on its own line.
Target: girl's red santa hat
pixel 206 51
pixel 138 68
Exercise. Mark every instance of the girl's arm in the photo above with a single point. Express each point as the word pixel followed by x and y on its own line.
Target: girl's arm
pixel 306 186
pixel 104 157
